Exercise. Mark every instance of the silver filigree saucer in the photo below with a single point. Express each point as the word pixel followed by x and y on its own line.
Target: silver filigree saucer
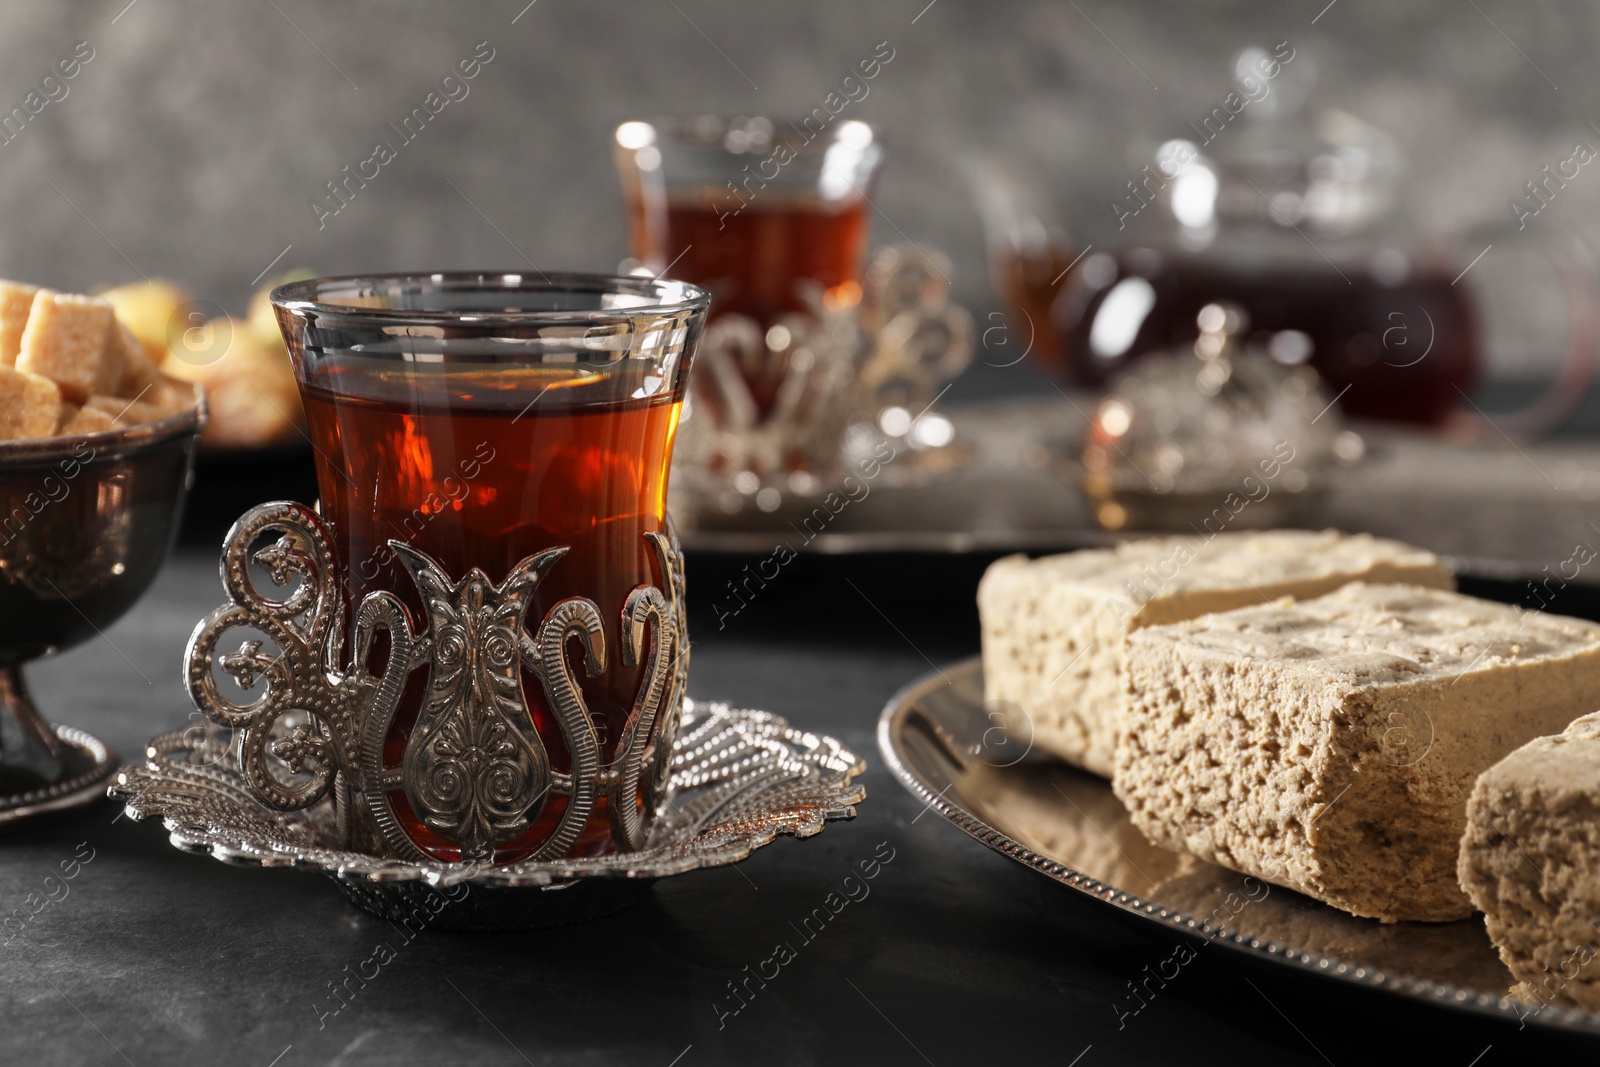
pixel 738 778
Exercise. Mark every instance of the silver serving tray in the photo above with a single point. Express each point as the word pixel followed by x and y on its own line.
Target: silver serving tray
pixel 1504 512
pixel 941 743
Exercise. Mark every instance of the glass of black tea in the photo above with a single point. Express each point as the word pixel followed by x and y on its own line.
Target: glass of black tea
pixel 465 425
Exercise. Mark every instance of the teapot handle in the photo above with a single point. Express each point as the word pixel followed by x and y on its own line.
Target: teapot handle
pixel 1580 282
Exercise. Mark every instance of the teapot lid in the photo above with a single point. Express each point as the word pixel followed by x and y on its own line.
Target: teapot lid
pixel 1261 157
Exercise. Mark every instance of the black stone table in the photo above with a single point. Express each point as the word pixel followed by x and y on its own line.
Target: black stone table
pixel 950 955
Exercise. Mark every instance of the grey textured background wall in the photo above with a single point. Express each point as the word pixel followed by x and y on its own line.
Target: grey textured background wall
pixel 192 144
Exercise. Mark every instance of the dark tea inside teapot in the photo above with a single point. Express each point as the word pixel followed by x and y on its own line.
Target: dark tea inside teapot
pixel 1393 341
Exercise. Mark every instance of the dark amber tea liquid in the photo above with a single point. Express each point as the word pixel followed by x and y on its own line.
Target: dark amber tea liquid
pixel 470 473
pixel 1029 282
pixel 764 257
pixel 762 260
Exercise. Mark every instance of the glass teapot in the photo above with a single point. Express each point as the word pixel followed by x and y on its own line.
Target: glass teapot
pixel 1298 218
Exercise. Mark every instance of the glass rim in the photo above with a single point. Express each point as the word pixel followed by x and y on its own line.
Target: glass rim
pixel 681 127
pixel 672 297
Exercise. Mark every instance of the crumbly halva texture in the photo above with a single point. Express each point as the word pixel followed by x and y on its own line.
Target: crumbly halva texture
pixel 1530 861
pixel 1329 745
pixel 1054 628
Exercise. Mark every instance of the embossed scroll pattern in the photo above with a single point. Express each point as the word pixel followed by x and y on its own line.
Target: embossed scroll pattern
pixel 474 769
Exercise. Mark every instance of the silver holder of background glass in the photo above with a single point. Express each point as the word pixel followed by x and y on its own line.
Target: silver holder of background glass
pixel 852 385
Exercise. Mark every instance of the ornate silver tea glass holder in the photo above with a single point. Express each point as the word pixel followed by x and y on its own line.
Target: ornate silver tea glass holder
pixel 780 416
pixel 297 777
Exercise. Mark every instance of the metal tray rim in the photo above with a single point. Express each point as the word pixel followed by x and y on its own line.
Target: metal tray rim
pixel 905 702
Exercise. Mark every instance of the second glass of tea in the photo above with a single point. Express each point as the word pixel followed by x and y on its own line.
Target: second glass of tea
pixel 771 216
pixel 481 419
pixel 765 214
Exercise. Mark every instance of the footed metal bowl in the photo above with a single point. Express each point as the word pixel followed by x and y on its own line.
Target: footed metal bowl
pixel 85 523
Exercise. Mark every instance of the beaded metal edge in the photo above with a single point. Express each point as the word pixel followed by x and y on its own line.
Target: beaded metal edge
pixel 739 778
pixel 77 791
pixel 1446 994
